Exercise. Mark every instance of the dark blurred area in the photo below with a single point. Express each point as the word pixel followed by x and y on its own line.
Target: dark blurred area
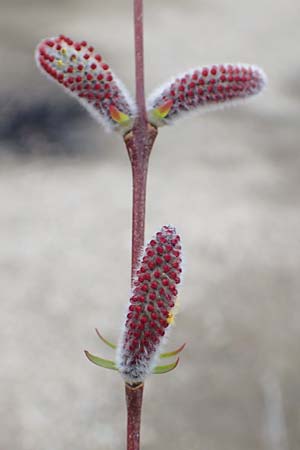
pixel 44 127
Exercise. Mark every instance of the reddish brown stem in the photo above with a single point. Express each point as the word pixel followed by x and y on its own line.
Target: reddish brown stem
pixel 139 158
pixel 134 399
pixel 139 63
pixel 139 143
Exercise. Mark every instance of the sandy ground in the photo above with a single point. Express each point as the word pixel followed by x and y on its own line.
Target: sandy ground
pixel 230 183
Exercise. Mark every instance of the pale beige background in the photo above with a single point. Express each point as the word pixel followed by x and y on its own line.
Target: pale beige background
pixel 229 181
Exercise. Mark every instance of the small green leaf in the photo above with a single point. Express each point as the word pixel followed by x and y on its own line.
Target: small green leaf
pixel 110 344
pixel 106 363
pixel 164 369
pixel 173 353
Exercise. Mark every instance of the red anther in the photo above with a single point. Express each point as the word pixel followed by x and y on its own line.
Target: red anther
pixel 151 265
pixel 157 274
pixel 97 86
pixel 154 316
pixel 204 72
pixel 167 258
pixel 150 308
pixel 152 324
pixel 147 277
pixel 165 282
pixel 105 66
pixel 160 303
pixel 83 43
pixel 80 67
pixel 145 288
pixel 98 58
pixel 161 292
pixel 77 47
pixel 70 69
pixel 160 250
pixel 100 77
pixel 158 260
pixel 213 70
pixel 131 308
pixel 86 56
pixel 50 43
pixel 150 253
pixel 181 88
pixel 173 290
pixel 91 49
pixel 93 66
pixel 195 76
pixel 153 243
pixel 109 78
pixel 144 319
pixel 166 268
pixel 129 315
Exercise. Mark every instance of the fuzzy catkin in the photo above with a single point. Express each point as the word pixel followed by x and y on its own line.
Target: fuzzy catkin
pixel 205 88
pixel 85 75
pixel 151 307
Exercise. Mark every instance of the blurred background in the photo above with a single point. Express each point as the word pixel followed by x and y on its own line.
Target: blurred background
pixel 228 180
